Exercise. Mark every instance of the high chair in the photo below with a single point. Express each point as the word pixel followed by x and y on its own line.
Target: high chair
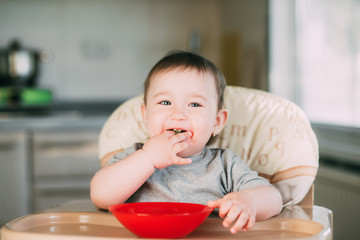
pixel 271 134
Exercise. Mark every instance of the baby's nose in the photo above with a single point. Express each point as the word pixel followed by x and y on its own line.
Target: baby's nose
pixel 178 114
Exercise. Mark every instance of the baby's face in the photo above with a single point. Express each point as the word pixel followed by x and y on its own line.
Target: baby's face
pixel 185 100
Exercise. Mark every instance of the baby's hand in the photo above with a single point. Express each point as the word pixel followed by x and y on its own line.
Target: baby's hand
pixel 163 148
pixel 238 208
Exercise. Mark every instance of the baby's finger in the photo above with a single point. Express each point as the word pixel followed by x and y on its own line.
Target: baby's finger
pixel 181 161
pixel 214 203
pixel 225 207
pixel 240 222
pixel 178 147
pixel 180 137
pixel 232 215
pixel 250 223
pixel 168 133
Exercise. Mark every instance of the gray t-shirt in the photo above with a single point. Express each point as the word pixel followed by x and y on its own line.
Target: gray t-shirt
pixel 211 175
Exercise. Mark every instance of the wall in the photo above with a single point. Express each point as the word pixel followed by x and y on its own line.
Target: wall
pixel 102 49
pixel 245 32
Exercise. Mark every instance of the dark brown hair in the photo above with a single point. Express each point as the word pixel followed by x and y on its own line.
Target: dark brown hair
pixel 187 60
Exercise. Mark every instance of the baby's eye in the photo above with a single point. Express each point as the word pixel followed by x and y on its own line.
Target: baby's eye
pixel 165 102
pixel 194 105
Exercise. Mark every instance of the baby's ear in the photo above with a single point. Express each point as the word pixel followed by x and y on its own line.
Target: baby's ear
pixel 221 118
pixel 143 113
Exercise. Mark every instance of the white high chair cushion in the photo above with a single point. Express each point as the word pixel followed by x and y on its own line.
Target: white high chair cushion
pixel 271 134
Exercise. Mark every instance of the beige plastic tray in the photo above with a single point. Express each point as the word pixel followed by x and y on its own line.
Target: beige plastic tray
pixel 97 225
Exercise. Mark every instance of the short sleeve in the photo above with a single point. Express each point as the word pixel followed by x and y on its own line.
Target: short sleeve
pixel 125 153
pixel 238 174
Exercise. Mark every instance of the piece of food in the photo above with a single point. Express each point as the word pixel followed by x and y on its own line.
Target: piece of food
pixel 177 131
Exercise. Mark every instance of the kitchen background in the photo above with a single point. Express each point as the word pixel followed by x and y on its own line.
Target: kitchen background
pixel 96 44
pixel 96 54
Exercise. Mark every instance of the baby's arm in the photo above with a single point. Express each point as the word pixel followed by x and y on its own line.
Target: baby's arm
pixel 117 182
pixel 243 208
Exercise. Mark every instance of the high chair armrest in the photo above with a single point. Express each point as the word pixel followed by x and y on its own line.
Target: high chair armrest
pixel 308 200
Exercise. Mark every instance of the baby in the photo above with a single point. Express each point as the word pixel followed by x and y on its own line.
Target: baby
pixel 183 112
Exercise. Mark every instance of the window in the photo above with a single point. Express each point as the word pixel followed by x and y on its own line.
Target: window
pixel 315 57
pixel 315 62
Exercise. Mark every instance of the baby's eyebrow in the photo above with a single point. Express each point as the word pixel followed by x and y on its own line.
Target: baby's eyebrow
pixel 160 94
pixel 200 96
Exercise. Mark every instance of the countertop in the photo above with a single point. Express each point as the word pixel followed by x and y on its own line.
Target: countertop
pixel 66 115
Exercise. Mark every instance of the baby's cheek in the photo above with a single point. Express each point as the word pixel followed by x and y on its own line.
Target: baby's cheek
pixel 154 127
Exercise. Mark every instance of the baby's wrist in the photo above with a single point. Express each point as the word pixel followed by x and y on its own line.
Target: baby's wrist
pixel 145 159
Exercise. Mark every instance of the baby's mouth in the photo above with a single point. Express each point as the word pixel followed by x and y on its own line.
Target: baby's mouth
pixel 177 131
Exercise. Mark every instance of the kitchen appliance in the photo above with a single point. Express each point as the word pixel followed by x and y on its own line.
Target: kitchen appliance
pixel 19 70
pixel 18 66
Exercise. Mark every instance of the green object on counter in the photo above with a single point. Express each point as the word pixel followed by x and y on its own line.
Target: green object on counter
pixel 25 97
pixel 35 97
pixel 4 96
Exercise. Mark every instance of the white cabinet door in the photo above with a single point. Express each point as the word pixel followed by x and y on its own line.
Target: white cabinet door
pixel 15 179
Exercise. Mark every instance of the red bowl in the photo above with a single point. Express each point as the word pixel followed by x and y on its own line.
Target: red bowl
pixel 161 219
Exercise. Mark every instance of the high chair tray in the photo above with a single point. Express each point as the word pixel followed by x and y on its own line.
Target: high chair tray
pixel 99 225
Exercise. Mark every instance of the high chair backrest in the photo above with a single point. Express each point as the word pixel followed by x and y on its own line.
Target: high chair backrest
pixel 271 134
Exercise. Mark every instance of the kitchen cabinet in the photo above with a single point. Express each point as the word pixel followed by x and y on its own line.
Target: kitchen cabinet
pixel 46 160
pixel 15 175
pixel 64 163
